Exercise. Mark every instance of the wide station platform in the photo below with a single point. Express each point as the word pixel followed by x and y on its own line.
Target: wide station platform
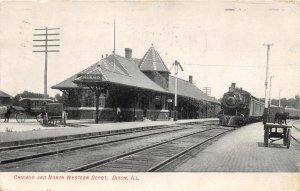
pixel 243 150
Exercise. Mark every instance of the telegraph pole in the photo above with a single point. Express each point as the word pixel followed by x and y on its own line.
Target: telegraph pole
pixel 267 74
pixel 279 97
pixel 114 45
pixel 270 90
pixel 44 41
pixel 207 90
pixel 266 84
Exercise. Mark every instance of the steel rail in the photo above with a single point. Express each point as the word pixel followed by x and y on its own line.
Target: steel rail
pixel 101 134
pixel 167 161
pixel 119 132
pixel 297 129
pixel 79 147
pixel 113 158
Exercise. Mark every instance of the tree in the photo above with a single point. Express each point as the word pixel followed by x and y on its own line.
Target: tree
pixel 61 98
pixel 291 102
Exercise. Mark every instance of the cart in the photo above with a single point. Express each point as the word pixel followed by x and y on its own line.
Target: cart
pixel 20 114
pixel 54 113
pixel 275 132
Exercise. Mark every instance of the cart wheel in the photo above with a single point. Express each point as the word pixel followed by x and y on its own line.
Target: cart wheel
pixel 284 137
pixel 288 138
pixel 21 117
pixel 266 137
pixel 39 119
pixel 64 118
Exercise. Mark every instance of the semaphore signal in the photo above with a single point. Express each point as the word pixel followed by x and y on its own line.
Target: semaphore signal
pixel 45 43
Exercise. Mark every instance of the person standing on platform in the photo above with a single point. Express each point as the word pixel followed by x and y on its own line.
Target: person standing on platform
pixel 43 110
pixel 119 114
pixel 7 114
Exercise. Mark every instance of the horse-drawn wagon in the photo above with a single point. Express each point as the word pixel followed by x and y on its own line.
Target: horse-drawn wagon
pixel 54 112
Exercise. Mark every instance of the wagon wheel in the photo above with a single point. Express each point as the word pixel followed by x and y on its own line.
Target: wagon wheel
pixel 39 119
pixel 21 117
pixel 64 118
pixel 284 137
pixel 266 137
pixel 288 138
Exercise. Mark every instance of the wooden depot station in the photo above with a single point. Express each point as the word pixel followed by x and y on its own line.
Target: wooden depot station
pixel 139 88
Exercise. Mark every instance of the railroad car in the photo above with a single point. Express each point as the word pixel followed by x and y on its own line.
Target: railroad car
pixel 239 107
pixel 33 106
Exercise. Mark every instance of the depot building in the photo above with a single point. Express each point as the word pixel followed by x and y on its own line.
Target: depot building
pixel 139 88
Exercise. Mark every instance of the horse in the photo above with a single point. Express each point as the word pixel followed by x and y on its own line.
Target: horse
pixel 281 117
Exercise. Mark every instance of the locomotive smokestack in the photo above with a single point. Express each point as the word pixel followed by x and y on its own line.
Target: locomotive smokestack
pixel 128 53
pixel 233 85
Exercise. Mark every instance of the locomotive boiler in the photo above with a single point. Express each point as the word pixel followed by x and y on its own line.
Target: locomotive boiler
pixel 239 107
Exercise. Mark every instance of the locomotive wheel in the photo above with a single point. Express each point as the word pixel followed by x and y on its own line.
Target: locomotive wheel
pixel 288 138
pixel 266 137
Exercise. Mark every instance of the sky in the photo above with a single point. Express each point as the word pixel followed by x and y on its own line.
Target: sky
pixel 218 43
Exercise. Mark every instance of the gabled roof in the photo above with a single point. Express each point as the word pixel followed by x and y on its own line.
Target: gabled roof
pixel 118 70
pixel 4 95
pixel 152 62
pixel 187 89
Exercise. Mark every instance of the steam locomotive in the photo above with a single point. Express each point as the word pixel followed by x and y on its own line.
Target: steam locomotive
pixel 239 107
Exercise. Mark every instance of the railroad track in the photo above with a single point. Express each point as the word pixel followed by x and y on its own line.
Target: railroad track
pixel 99 134
pixel 42 157
pixel 153 157
pixel 8 154
pixel 297 129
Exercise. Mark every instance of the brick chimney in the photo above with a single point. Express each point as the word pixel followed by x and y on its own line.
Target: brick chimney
pixel 233 85
pixel 190 78
pixel 128 53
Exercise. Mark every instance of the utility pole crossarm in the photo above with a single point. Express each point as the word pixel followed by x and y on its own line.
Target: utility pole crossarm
pixel 43 36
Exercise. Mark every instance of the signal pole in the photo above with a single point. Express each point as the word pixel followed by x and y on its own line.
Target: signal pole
pixel 176 64
pixel 45 48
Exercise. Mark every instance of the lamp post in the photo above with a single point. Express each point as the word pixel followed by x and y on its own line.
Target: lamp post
pixel 270 90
